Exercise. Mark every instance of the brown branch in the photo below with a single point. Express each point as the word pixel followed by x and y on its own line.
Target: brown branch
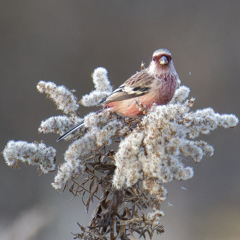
pixel 85 189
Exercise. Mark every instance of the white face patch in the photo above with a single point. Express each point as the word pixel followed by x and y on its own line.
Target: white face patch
pixel 162 51
pixel 152 69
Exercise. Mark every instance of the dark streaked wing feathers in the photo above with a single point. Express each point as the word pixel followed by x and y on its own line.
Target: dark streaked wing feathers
pixel 130 88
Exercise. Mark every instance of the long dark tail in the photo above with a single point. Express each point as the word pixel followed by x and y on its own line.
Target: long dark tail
pixel 70 131
pixel 81 124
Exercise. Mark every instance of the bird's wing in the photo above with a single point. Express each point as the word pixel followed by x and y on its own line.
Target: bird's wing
pixel 136 86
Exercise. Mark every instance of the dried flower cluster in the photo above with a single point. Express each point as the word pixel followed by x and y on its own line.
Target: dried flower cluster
pixel 103 88
pixel 150 152
pixel 31 153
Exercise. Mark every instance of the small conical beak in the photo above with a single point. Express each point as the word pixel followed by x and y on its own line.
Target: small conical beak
pixel 163 60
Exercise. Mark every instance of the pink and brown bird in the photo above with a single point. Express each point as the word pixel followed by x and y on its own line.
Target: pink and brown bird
pixel 155 84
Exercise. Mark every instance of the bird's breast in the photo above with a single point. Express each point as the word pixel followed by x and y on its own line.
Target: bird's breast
pixel 166 88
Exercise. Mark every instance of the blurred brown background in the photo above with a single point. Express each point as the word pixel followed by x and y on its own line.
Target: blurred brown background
pixel 63 42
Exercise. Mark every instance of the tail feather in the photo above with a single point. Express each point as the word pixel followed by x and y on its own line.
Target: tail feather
pixel 70 131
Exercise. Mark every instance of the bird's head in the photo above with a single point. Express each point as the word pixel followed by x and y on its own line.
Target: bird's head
pixel 161 62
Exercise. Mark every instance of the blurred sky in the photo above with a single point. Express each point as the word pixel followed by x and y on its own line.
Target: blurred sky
pixel 64 41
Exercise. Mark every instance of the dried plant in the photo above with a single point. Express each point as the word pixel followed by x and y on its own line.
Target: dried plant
pixel 121 162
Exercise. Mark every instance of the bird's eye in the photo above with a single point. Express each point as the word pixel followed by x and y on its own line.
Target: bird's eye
pixel 154 58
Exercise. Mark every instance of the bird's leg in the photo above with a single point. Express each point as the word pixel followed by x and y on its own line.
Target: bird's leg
pixel 141 107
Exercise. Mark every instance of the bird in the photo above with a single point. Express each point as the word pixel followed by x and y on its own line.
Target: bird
pixel 155 84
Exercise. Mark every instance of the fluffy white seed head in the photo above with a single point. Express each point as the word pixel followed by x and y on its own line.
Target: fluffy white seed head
pixel 61 96
pixel 102 90
pixel 100 80
pixel 94 98
pixel 68 170
pixel 102 128
pixel 58 124
pixel 31 153
pixel 165 137
pixel 180 95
